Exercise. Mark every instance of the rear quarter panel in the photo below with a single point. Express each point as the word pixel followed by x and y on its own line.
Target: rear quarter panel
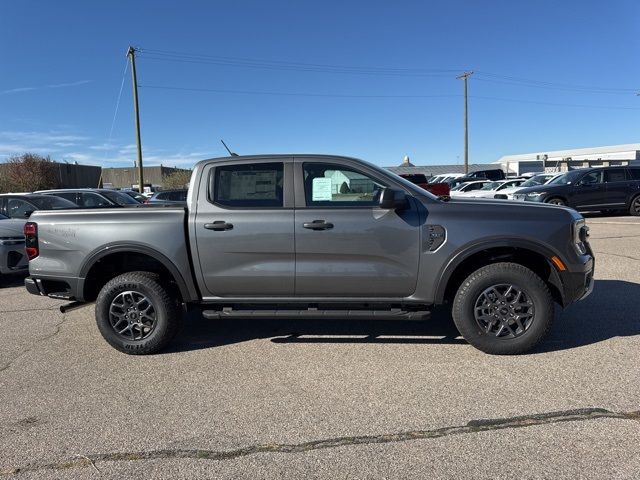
pixel 69 239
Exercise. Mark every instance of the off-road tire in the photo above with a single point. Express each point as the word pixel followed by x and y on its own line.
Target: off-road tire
pixel 168 315
pixel 474 285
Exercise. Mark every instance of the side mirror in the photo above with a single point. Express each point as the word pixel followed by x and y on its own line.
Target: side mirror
pixel 28 213
pixel 392 199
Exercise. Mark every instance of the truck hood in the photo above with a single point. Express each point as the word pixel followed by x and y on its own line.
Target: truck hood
pixel 510 208
pixel 542 188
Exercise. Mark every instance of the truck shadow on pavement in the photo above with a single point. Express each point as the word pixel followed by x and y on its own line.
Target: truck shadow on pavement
pixel 607 313
pixel 610 311
pixel 13 280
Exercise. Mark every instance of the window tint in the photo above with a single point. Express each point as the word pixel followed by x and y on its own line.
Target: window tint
pixel 616 175
pixel 249 185
pixel 119 198
pixel 71 196
pixel 93 200
pixel 474 186
pixel 634 173
pixel 19 208
pixel 52 202
pixel 327 184
pixel 591 178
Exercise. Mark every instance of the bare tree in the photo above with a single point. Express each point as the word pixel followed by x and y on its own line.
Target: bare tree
pixel 177 179
pixel 27 173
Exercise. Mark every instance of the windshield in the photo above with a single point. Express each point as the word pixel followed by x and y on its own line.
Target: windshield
pixel 533 181
pixel 119 198
pixel 459 186
pixel 491 186
pixel 49 202
pixel 569 177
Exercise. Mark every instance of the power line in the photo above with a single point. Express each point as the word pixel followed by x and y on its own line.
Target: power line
pixel 374 96
pixel 242 62
pixel 115 113
pixel 291 94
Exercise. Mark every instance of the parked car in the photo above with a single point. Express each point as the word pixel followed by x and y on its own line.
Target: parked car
pixel 135 195
pixel 586 189
pixel 279 236
pixel 490 189
pixel 13 258
pixel 169 197
pixel 438 189
pixel 540 179
pixel 93 197
pixel 467 189
pixel 22 205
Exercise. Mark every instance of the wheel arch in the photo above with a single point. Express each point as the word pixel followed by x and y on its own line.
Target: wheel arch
pixel 124 258
pixel 532 255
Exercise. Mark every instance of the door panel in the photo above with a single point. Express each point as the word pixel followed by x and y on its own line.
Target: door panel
pixel 589 191
pixel 246 250
pixel 360 250
pixel 617 186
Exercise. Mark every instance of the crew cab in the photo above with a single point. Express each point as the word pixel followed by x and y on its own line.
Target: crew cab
pixel 314 236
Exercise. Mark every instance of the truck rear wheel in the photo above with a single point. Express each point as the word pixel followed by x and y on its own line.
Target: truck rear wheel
pixel 503 309
pixel 135 313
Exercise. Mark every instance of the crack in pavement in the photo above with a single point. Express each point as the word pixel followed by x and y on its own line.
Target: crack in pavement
pixel 474 426
pixel 57 328
pixel 617 255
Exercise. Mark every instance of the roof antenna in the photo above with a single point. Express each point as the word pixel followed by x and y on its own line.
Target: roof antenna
pixel 230 152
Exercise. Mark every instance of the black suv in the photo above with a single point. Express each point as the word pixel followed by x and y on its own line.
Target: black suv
pixel 601 188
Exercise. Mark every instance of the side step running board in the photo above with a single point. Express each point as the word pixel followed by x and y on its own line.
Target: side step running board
pixel 314 313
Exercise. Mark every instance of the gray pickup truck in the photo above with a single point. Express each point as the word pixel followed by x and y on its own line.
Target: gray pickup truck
pixel 313 236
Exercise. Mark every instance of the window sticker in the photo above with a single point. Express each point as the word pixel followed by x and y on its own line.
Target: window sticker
pixel 321 190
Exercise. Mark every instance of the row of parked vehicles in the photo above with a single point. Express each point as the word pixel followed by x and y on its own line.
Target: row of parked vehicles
pixel 614 189
pixel 22 205
pixel 16 209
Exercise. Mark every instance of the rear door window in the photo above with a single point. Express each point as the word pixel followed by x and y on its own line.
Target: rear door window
pixel 93 200
pixel 634 173
pixel 249 185
pixel 617 175
pixel 17 208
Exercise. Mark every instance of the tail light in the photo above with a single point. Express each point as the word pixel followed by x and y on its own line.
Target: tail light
pixel 146 200
pixel 31 239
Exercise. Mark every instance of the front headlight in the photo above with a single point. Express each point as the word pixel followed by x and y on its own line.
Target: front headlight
pixel 580 234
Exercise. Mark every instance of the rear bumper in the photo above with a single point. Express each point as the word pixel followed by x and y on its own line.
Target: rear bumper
pixel 67 288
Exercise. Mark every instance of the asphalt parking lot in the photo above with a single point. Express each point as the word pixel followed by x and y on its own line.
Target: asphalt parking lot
pixel 307 399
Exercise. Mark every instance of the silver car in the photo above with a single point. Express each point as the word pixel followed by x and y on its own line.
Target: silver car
pixel 13 258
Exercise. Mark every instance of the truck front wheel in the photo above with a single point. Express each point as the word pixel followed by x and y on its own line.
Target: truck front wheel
pixel 135 313
pixel 503 309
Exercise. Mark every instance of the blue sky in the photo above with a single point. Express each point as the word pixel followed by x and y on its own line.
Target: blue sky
pixel 390 65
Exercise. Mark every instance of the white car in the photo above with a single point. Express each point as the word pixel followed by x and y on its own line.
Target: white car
pixel 469 189
pixel 13 258
pixel 445 177
pixel 540 179
pixel 492 188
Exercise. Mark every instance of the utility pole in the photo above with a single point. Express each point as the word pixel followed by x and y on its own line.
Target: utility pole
pixel 464 77
pixel 131 53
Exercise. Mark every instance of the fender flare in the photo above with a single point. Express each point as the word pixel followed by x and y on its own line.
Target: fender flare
pixel 467 251
pixel 111 248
